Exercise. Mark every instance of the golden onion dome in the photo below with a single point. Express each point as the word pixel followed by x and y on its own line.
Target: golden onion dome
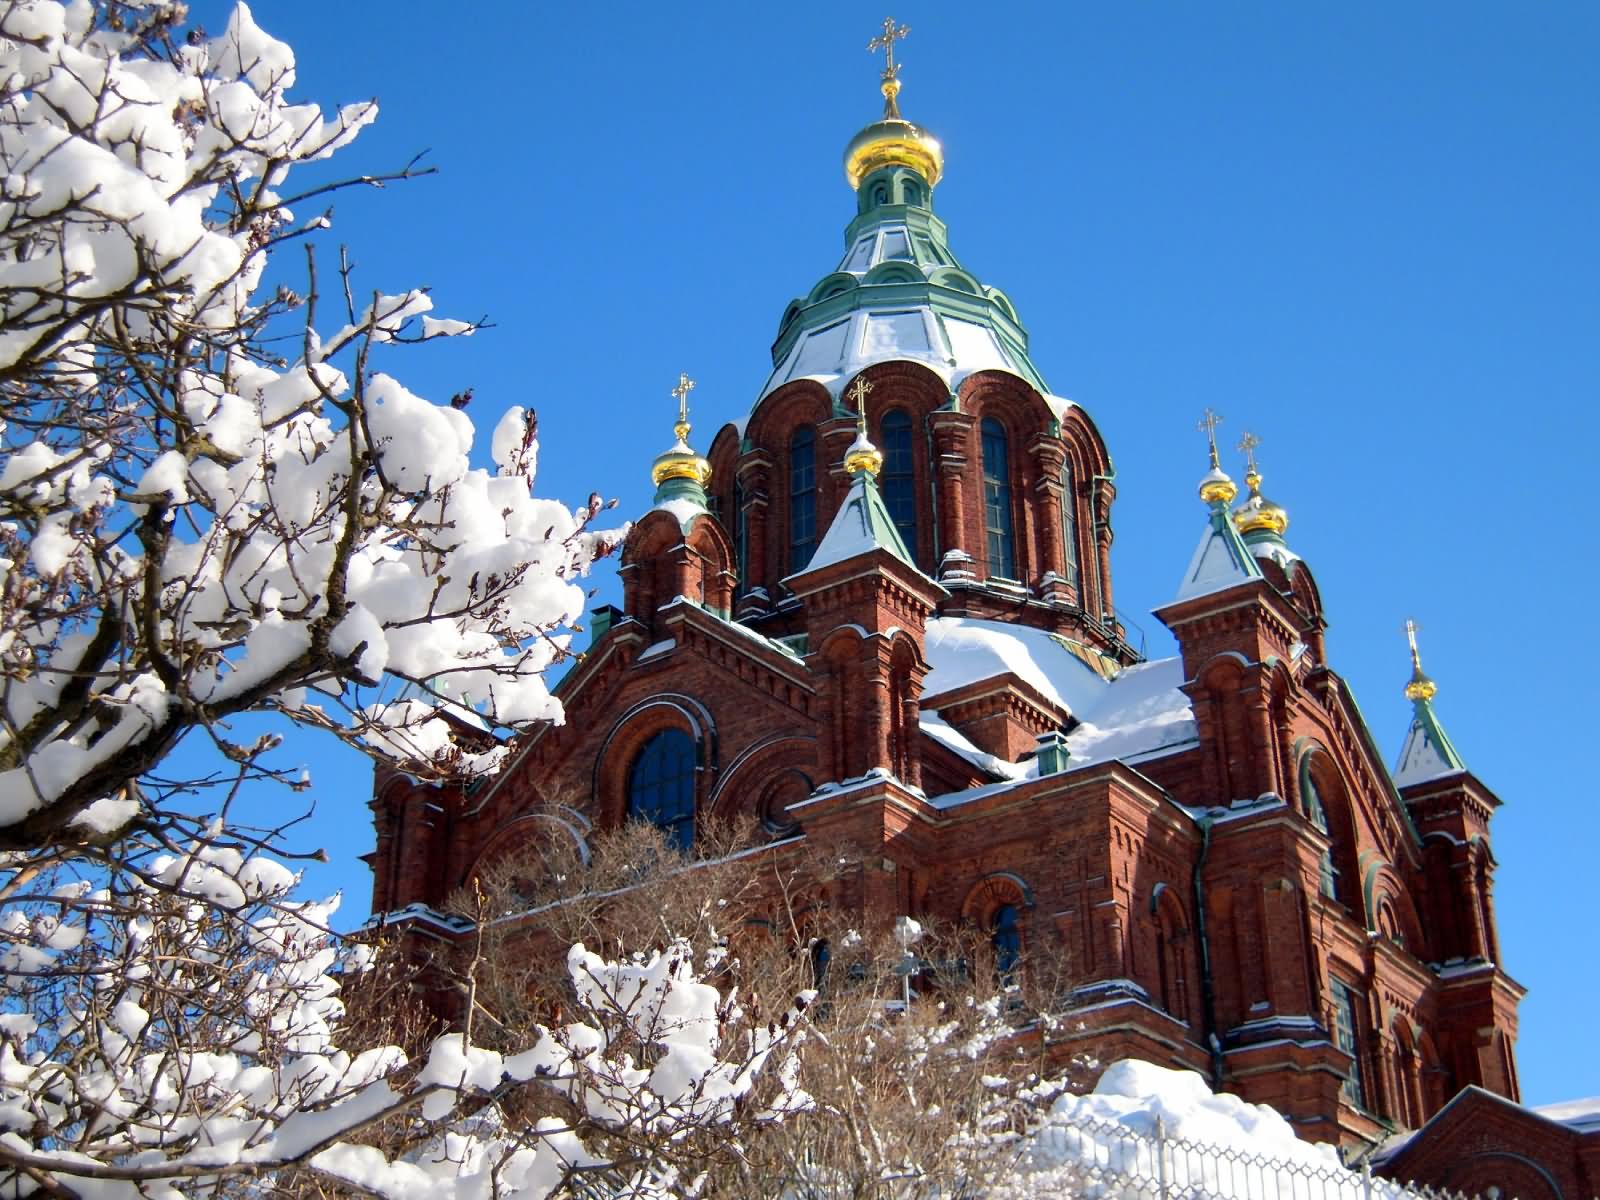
pixel 863 456
pixel 1217 488
pixel 1420 687
pixel 893 142
pixel 1257 512
pixel 680 461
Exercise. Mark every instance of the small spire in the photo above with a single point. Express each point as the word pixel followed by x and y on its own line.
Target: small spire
pixel 891 70
pixel 681 462
pixel 1247 447
pixel 862 455
pixel 1215 486
pixel 1420 689
pixel 1257 515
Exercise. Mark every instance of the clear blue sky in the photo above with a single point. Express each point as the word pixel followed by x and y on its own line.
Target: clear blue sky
pixel 1367 232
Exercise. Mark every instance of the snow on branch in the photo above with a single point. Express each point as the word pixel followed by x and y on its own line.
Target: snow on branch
pixel 190 525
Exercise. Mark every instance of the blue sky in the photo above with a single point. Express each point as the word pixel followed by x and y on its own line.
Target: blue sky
pixel 1363 231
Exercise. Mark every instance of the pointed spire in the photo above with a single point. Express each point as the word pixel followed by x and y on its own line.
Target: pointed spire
pixel 679 473
pixel 1221 559
pixel 892 140
pixel 891 71
pixel 1261 522
pixel 1428 752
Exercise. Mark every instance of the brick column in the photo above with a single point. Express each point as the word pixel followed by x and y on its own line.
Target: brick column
pixel 952 438
pixel 1049 456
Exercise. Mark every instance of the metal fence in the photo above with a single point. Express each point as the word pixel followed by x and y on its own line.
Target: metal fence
pixel 1101 1160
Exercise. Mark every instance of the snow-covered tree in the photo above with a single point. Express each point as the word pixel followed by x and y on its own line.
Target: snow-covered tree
pixel 212 500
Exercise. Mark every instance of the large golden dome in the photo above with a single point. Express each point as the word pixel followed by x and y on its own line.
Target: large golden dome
pixel 893 142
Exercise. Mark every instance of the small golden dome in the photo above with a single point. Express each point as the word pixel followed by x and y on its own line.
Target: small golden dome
pixel 680 462
pixel 1257 512
pixel 893 142
pixel 1217 488
pixel 863 456
pixel 1421 687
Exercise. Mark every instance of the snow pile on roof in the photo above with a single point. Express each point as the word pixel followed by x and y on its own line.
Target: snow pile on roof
pixel 1105 1144
pixel 681 507
pixel 1142 713
pixel 953 739
pixel 1582 1116
pixel 963 650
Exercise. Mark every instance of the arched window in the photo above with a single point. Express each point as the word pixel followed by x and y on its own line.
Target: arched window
pixel 741 536
pixel 1005 935
pixel 661 786
pixel 1069 527
pixel 880 194
pixel 898 479
pixel 913 194
pixel 997 499
pixel 1328 882
pixel 802 497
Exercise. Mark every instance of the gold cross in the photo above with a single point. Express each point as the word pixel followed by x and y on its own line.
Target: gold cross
pixel 891 72
pixel 885 42
pixel 858 393
pixel 1247 447
pixel 1411 628
pixel 1208 426
pixel 685 386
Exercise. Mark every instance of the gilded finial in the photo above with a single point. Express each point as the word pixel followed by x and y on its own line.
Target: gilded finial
pixel 1420 687
pixel 1247 447
pixel 685 386
pixel 1215 487
pixel 891 71
pixel 681 462
pixel 862 455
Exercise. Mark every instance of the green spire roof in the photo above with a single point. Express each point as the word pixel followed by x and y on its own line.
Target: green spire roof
pixel 1221 559
pixel 861 525
pixel 1428 752
pixel 899 294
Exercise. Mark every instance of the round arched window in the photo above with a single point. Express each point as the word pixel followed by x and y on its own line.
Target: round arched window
pixel 661 786
pixel 1006 937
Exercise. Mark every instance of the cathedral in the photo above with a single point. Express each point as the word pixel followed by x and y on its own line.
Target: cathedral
pixel 877 611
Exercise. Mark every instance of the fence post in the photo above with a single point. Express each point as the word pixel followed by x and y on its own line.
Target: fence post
pixel 1161 1157
pixel 1366 1181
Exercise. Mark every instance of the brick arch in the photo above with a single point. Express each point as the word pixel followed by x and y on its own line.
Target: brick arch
pixel 1384 892
pixel 759 773
pixel 713 553
pixel 550 821
pixel 915 390
pixel 1224 726
pixel 985 899
pixel 1174 970
pixel 1314 762
pixel 1512 1174
pixel 627 736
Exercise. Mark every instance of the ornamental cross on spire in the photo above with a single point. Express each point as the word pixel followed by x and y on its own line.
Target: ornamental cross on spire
pixel 1247 447
pixel 685 386
pixel 857 394
pixel 891 72
pixel 1208 425
pixel 1411 628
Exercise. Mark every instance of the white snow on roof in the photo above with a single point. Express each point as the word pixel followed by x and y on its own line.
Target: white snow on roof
pixel 1420 759
pixel 963 650
pixel 1580 1115
pixel 683 509
pixel 953 739
pixel 1219 561
pixel 836 353
pixel 1141 714
pixel 1274 550
pixel 851 533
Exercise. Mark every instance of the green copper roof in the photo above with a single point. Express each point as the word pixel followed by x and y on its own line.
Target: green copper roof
pixel 1428 752
pixel 861 525
pixel 1220 560
pixel 899 293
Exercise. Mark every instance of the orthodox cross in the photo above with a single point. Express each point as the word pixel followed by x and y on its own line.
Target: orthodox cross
pixel 1411 628
pixel 685 386
pixel 891 73
pixel 1247 447
pixel 858 394
pixel 1208 426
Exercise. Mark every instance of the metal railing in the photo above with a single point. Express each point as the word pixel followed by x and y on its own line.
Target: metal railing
pixel 1103 1160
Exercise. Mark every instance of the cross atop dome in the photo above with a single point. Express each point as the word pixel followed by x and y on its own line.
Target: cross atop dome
pixel 891 72
pixel 1215 486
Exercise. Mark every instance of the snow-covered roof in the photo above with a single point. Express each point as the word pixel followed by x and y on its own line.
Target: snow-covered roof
pixel 681 507
pixel 1220 560
pixel 862 524
pixel 1582 1116
pixel 954 740
pixel 1428 753
pixel 963 650
pixel 1141 714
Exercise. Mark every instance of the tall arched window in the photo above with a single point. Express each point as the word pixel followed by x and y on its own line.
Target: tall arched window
pixel 898 478
pixel 1069 527
pixel 1318 815
pixel 661 786
pixel 997 499
pixel 1005 935
pixel 802 497
pixel 741 536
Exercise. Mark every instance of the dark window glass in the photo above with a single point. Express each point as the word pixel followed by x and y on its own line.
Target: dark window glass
pixel 802 498
pixel 1006 937
pixel 1069 527
pixel 741 537
pixel 997 500
pixel 899 479
pixel 1328 879
pixel 661 786
pixel 1346 1037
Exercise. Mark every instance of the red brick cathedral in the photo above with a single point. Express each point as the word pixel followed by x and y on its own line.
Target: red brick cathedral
pixel 878 613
